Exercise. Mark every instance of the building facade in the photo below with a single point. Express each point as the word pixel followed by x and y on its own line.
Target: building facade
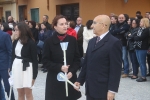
pixel 8 8
pixel 87 9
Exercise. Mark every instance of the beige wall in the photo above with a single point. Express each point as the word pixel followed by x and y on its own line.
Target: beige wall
pixel 10 7
pixel 91 8
pixel 88 8
pixel 42 5
pixel 130 7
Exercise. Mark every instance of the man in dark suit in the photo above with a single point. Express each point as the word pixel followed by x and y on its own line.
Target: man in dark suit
pixel 79 30
pixel 45 20
pixel 102 65
pixel 5 60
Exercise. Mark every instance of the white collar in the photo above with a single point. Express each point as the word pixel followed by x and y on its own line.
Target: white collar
pixel 103 35
pixel 79 25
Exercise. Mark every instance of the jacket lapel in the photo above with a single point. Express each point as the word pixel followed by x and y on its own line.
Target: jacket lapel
pixel 101 42
pixel 80 29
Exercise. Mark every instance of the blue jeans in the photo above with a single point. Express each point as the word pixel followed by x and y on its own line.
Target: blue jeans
pixel 141 56
pixel 134 61
pixel 2 94
pixel 125 60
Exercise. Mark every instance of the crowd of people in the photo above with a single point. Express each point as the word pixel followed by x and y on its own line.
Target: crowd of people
pixel 100 49
pixel 134 34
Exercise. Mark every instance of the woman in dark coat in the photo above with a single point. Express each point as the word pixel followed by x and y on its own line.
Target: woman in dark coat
pixel 141 42
pixel 32 25
pixel 53 60
pixel 131 46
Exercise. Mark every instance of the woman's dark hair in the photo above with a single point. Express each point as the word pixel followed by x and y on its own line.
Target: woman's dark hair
pixel 88 24
pixel 33 23
pixel 126 17
pixel 137 21
pixel 72 24
pixel 55 20
pixel 39 25
pixel 138 12
pixel 116 17
pixel 6 27
pixel 139 17
pixel 25 32
pixel 44 23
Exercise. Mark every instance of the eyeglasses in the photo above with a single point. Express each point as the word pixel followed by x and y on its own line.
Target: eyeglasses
pixel 98 23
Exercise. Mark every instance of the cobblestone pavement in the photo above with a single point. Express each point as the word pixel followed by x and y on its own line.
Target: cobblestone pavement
pixel 129 89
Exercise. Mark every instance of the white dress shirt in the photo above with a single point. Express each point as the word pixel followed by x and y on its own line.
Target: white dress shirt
pixel 77 28
pixel 103 35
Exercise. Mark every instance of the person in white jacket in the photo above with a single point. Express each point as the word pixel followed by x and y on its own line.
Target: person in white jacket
pixel 87 35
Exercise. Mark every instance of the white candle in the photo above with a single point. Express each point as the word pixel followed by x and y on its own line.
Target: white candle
pixel 66 84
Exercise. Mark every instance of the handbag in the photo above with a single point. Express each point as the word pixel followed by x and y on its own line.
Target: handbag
pixel 40 44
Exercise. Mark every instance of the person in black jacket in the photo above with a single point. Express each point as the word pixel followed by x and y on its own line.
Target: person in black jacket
pixel 44 33
pixel 114 20
pixel 119 31
pixel 53 60
pixel 45 20
pixel 131 47
pixel 32 25
pixel 141 41
pixel 79 30
pixel 24 61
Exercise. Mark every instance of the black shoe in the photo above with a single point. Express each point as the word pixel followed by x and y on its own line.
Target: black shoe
pixel 134 77
pixel 141 79
pixel 148 74
pixel 45 70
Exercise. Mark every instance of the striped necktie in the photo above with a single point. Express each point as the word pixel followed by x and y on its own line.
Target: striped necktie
pixel 98 39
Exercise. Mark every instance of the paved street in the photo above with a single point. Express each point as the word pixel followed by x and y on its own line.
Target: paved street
pixel 129 89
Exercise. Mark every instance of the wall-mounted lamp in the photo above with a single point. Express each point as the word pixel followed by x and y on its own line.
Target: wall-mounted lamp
pixel 125 1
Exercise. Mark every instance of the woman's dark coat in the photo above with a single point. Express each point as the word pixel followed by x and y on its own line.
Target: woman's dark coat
pixel 53 60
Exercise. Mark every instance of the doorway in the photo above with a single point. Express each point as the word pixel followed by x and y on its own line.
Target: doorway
pixel 22 13
pixel 35 15
pixel 7 14
pixel 71 11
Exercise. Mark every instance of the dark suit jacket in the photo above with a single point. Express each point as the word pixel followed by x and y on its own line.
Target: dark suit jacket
pixel 5 50
pixel 29 51
pixel 102 66
pixel 53 60
pixel 80 36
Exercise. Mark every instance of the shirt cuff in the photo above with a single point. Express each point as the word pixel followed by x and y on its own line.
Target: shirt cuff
pixel 112 91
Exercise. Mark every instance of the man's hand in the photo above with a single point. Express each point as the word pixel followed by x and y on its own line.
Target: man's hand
pixel 77 84
pixel 69 75
pixel 65 68
pixel 110 96
pixel 8 70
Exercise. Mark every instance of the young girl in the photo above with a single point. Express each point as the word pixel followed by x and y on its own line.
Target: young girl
pixel 25 64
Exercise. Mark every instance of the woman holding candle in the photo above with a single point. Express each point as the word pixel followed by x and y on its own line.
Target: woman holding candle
pixel 53 60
